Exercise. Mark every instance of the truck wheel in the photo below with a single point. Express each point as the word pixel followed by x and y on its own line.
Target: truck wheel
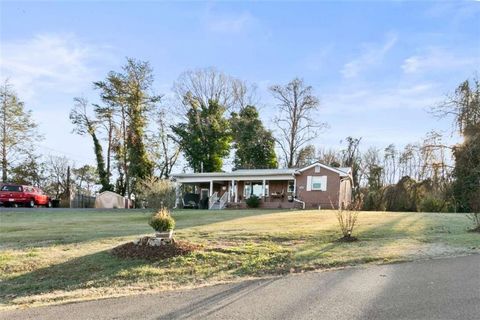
pixel 31 204
pixel 49 204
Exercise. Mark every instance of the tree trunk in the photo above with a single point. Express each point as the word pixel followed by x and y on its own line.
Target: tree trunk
pixel 4 141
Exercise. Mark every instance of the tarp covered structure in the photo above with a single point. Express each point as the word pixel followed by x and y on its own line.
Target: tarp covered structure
pixel 109 200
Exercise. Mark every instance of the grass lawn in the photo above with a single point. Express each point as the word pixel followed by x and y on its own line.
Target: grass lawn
pixel 51 256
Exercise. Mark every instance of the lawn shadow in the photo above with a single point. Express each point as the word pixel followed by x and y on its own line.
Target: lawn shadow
pixel 93 270
pixel 314 254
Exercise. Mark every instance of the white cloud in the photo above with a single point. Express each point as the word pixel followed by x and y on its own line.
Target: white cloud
pixel 372 55
pixel 229 22
pixel 436 59
pixel 49 61
pixel 402 97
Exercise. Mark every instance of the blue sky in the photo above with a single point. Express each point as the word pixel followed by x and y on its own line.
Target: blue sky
pixel 376 66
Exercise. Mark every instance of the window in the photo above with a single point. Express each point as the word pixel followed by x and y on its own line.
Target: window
pixel 291 186
pixel 317 183
pixel 257 189
pixel 317 169
pixel 254 188
pixel 247 190
pixel 12 188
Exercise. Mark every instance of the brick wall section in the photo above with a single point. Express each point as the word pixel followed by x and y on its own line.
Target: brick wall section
pixel 314 198
pixel 263 205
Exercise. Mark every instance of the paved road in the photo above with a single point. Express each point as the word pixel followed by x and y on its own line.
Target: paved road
pixel 434 289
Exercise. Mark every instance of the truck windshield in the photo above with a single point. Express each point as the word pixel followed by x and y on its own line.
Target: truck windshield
pixel 12 188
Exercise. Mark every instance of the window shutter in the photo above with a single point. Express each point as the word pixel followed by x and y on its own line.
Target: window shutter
pixel 309 183
pixel 324 183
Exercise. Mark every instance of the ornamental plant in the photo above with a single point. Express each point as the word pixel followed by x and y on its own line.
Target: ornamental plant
pixel 162 221
pixel 253 201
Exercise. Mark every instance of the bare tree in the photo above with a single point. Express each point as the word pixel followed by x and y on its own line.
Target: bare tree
pixel 295 122
pixel 203 85
pixel 58 182
pixel 370 161
pixel 164 149
pixel 390 164
pixel 463 106
pixel 84 124
pixel 329 157
pixel 306 156
pixel 351 158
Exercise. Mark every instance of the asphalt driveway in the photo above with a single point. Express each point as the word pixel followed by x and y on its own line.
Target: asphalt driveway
pixel 447 288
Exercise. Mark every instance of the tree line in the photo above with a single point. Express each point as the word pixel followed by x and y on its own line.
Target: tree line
pixel 137 133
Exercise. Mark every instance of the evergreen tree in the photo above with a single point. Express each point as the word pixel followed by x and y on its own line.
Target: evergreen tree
pixel 205 137
pixel 17 130
pixel 128 96
pixel 254 145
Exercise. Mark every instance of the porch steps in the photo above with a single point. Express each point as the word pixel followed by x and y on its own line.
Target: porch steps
pixel 216 206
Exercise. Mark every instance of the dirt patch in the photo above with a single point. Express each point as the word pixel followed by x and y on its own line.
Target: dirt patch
pixel 134 251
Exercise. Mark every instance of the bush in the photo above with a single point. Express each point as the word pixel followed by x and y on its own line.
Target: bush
pixel 162 221
pixel 157 193
pixel 431 204
pixel 253 201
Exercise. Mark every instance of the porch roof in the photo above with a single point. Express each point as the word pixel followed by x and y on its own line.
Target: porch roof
pixel 243 174
pixel 253 174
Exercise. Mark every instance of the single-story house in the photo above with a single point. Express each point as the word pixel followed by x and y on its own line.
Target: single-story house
pixel 314 186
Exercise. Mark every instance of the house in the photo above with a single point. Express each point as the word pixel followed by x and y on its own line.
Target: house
pixel 314 186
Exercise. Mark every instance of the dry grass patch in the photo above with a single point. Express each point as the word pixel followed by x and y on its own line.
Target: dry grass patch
pixel 50 256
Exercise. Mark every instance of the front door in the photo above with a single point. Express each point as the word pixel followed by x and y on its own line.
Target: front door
pixel 204 193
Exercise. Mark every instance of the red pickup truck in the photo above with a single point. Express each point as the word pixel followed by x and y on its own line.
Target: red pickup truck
pixel 15 195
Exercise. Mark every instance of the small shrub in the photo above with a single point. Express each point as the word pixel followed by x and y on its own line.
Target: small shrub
pixel 162 221
pixel 431 204
pixel 347 218
pixel 253 201
pixel 157 193
pixel 475 218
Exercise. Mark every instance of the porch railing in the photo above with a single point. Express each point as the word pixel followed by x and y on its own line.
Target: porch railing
pixel 223 200
pixel 212 200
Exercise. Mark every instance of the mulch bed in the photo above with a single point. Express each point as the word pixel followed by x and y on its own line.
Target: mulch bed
pixel 133 251
pixel 347 239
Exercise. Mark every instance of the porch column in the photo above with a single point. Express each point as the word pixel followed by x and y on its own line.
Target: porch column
pixel 235 190
pixel 178 194
pixel 263 189
pixel 294 187
pixel 211 188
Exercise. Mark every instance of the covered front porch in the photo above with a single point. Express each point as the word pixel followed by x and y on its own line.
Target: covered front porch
pixel 232 193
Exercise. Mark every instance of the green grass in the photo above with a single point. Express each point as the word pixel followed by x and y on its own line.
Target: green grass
pixel 57 256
